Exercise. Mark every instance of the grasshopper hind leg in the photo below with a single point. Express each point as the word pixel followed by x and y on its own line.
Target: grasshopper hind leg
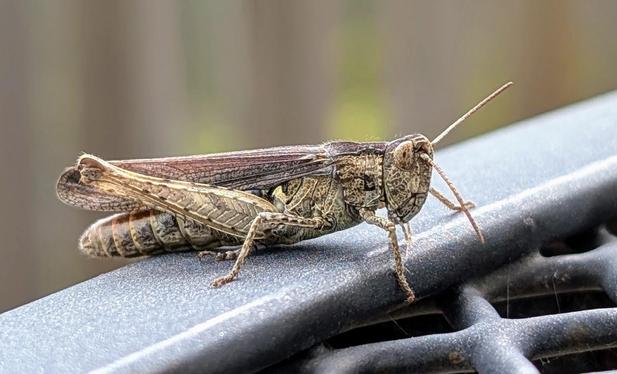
pixel 220 256
pixel 263 221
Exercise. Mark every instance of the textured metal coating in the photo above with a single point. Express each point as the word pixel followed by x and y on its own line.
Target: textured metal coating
pixel 160 314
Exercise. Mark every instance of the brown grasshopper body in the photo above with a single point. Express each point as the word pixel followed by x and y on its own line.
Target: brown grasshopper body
pixel 356 181
pixel 279 195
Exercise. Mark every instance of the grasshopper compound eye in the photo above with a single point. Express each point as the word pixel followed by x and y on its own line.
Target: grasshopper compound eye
pixel 404 154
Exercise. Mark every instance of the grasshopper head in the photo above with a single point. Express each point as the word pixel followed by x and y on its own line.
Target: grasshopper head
pixel 407 168
pixel 407 176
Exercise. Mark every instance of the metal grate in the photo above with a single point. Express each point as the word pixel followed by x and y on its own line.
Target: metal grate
pixel 552 310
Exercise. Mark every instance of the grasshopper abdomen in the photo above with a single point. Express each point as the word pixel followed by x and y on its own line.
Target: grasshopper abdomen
pixel 148 232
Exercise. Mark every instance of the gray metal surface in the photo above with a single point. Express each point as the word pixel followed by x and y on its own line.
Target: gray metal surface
pixel 483 339
pixel 546 177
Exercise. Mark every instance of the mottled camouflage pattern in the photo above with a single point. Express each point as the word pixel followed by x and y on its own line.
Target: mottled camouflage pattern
pixel 332 182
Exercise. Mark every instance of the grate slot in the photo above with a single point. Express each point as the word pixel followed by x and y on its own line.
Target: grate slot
pixel 538 275
pixel 392 330
pixel 553 304
pixel 578 243
pixel 579 362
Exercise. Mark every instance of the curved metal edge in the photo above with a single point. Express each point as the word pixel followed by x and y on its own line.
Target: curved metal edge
pixel 509 236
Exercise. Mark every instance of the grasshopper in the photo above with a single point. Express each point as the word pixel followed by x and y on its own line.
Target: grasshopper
pixel 279 195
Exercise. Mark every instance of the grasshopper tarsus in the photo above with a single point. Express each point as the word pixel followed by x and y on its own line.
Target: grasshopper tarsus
pixel 449 204
pixel 468 205
pixel 279 195
pixel 220 256
pixel 221 281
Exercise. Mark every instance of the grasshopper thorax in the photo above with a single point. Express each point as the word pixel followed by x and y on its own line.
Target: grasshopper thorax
pixel 406 176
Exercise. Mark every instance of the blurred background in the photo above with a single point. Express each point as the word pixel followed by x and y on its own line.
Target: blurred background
pixel 125 79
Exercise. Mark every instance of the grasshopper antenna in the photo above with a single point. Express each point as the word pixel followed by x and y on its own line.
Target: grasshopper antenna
pixel 443 175
pixel 470 112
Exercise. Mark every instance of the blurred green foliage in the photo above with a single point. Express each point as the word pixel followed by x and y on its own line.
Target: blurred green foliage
pixel 359 112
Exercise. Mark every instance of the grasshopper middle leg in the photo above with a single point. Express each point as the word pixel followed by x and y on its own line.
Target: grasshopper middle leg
pixel 408 234
pixel 370 217
pixel 261 222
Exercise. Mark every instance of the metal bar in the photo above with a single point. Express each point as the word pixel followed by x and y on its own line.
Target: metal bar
pixel 497 346
pixel 488 342
pixel 538 180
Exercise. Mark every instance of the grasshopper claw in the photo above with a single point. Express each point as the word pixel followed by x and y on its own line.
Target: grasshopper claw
pixel 221 281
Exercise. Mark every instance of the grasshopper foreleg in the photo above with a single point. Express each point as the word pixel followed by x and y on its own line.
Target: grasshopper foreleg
pixel 370 217
pixel 263 221
pixel 452 206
